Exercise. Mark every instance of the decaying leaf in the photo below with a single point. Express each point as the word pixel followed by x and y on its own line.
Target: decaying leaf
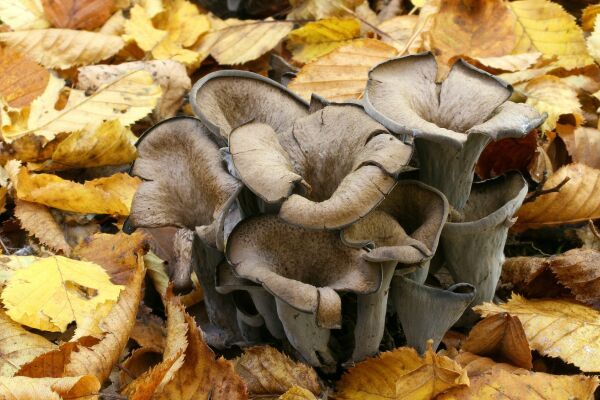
pixel 500 335
pixel 21 79
pixel 576 201
pixel 23 14
pixel 342 74
pixel 551 95
pixel 52 292
pixel 583 145
pixel 234 41
pixel 531 277
pixel 506 155
pixel 546 27
pixel 401 373
pixel 588 16
pixel 400 31
pixel 578 270
pixel 556 328
pixel 149 330
pixel 315 39
pixel 78 14
pixel 297 393
pixel 68 388
pixel 39 222
pixel 18 346
pixel 76 47
pixel 111 195
pixel 509 62
pixel 266 371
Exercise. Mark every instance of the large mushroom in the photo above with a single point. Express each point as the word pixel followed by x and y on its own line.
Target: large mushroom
pixel 325 166
pixel 305 270
pixel 451 121
pixel 186 185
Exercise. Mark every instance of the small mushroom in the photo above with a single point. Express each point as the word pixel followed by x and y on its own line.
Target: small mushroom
pixel 474 247
pixel 405 231
pixel 451 121
pixel 186 185
pixel 427 312
pixel 304 270
pixel 326 166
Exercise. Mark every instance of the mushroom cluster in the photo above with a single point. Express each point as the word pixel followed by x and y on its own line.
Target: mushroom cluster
pixel 304 222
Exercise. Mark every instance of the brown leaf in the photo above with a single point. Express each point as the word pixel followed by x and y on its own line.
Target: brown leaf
pixel 476 365
pixel 149 330
pixel 531 277
pixel 578 270
pixel 115 253
pixel 297 393
pixel 140 361
pixel 506 155
pixel 583 145
pixel 78 14
pixel 21 79
pixel 37 220
pixel 266 371
pixel 500 335
pixel 578 200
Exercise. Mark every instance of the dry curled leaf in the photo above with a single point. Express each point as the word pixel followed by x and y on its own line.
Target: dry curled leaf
pixel 531 277
pixel 578 199
pixel 84 387
pixel 400 374
pixel 78 14
pixel 21 79
pixel 160 278
pixel 342 74
pixel 39 222
pixel 578 270
pixel 505 155
pixel 502 336
pixel 149 330
pixel 23 14
pixel 583 145
pixel 556 328
pixel 266 371
pixel 76 47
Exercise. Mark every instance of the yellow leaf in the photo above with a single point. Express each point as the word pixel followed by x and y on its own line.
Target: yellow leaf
pixel 551 95
pixel 140 30
pixel 23 14
pixel 110 144
pixel 401 374
pixel 111 195
pixel 546 27
pixel 167 50
pixel 71 387
pixel 233 41
pixel 183 22
pixel 319 9
pixel 342 74
pixel 556 328
pixel 52 292
pixel 37 220
pixel 593 41
pixel 73 48
pixel 318 38
pixel 9 264
pixel 18 346
pixel 588 17
pixel 160 279
pixel 577 200
pixel 128 98
pixel 297 393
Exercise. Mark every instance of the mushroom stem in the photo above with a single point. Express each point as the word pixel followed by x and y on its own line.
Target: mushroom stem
pixel 426 312
pixel 448 168
pixel 265 304
pixel 370 318
pixel 301 329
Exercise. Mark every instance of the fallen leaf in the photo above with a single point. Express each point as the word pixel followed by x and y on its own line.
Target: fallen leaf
pixel 170 75
pixel 593 41
pixel 400 31
pixel 78 14
pixel 76 47
pixel 556 328
pixel 111 195
pixel 140 361
pixel 578 270
pixel 506 155
pixel 477 365
pixel 117 254
pixel 160 278
pixel 399 374
pixel 588 16
pixel 551 95
pixel 531 277
pixel 110 144
pixel 183 21
pixel 510 62
pixel 576 201
pixel 21 79
pixel 502 336
pixel 319 9
pixel 583 145
pixel 9 264
pixel 476 29
pixel 18 346
pixel 297 393
pixel 149 330
pixel 23 14
pixel 546 27
pixel 267 372
pixel 234 41
pixel 315 39
pixel 342 74
pixel 37 220
pixel 77 387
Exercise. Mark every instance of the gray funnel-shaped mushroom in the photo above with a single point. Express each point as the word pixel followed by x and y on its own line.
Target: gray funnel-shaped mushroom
pixel 404 231
pixel 427 312
pixel 451 121
pixel 304 270
pixel 474 248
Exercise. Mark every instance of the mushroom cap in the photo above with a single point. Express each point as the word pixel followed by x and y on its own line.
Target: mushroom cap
pixel 301 267
pixel 184 181
pixel 329 169
pixel 403 95
pixel 405 227
pixel 224 100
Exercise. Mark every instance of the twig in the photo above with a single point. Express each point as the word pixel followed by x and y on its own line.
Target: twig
pixel 594 229
pixel 540 191
pixel 6 251
pixel 413 10
pixel 414 36
pixel 370 25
